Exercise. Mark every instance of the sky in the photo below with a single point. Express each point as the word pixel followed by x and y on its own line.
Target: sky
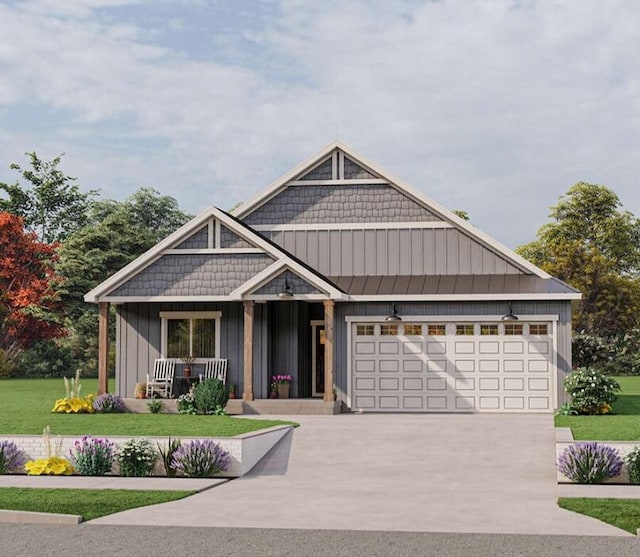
pixel 493 107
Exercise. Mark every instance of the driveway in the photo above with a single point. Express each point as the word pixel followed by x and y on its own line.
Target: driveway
pixel 492 473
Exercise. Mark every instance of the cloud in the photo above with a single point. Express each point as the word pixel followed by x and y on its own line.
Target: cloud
pixel 495 108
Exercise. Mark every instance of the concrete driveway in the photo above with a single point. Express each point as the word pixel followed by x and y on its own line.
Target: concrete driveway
pixel 490 473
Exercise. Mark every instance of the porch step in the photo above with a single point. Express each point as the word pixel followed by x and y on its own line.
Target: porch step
pixel 291 406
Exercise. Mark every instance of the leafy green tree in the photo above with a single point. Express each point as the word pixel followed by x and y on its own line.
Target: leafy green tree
pixel 593 245
pixel 52 205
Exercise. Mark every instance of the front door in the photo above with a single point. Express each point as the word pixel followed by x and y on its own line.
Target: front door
pixel 317 358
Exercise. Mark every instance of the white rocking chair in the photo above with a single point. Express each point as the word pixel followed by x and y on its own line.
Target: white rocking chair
pixel 215 369
pixel 162 380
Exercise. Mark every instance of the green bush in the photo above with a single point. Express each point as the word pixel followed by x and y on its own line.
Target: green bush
pixel 632 462
pixel 210 396
pixel 137 458
pixel 591 391
pixel 589 350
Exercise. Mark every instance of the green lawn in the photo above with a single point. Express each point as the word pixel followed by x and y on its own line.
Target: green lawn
pixel 89 503
pixel 622 513
pixel 25 408
pixel 622 425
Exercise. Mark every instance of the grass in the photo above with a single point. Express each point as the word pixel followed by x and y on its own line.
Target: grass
pixel 25 408
pixel 622 513
pixel 622 425
pixel 89 503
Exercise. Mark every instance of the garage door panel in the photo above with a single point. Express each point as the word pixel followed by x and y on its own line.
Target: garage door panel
pixel 452 372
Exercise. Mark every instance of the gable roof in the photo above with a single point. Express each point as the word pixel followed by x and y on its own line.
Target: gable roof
pixel 430 205
pixel 176 242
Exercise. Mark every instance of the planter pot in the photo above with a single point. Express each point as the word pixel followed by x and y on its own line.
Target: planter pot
pixel 186 372
pixel 232 394
pixel 140 390
pixel 273 394
pixel 283 390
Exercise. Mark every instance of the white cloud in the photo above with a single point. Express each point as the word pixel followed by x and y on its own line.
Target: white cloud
pixel 496 108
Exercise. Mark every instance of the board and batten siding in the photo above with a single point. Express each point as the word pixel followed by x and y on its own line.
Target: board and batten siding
pixel 560 308
pixel 362 252
pixel 138 342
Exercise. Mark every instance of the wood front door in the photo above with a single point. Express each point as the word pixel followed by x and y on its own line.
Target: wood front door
pixel 317 358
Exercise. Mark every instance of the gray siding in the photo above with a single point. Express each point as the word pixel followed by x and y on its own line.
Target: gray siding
pixel 560 308
pixel 229 239
pixel 138 341
pixel 353 171
pixel 296 284
pixel 323 171
pixel 439 251
pixel 194 275
pixel 330 204
pixel 199 240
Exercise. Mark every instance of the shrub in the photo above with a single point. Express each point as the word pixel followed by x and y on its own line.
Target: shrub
pixel 201 459
pixel 166 456
pixel 136 458
pixel 108 404
pixel 632 462
pixel 186 405
pixel 54 464
pixel 210 396
pixel 91 456
pixel 154 406
pixel 591 391
pixel 589 463
pixel 11 457
pixel 73 403
pixel 590 350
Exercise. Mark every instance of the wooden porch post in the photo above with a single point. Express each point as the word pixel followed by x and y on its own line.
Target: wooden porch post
pixel 328 350
pixel 103 347
pixel 248 350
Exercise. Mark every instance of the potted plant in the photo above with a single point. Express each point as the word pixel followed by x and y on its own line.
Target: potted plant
pixel 188 362
pixel 232 391
pixel 273 390
pixel 283 382
pixel 140 390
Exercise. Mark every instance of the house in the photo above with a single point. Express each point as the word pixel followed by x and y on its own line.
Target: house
pixel 350 280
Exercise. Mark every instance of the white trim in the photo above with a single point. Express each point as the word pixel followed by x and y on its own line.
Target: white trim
pixel 211 251
pixel 334 167
pixel 210 234
pixel 131 299
pixel 315 323
pixel 218 234
pixel 452 318
pixel 256 281
pixel 353 226
pixel 340 165
pixel 461 297
pixel 296 297
pixel 191 315
pixel 340 182
pixel 277 186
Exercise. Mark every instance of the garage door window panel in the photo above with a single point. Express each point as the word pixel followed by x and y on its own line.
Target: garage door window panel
pixel 465 329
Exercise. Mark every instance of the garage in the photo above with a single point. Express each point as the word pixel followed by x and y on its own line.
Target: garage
pixel 431 365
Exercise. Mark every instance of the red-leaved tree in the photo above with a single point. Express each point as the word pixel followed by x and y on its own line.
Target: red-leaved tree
pixel 27 300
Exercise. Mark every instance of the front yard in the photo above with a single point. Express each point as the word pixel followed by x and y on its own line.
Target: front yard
pixel 622 425
pixel 25 409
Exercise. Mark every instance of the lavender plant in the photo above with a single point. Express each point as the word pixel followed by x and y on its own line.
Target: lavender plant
pixel 108 404
pixel 11 457
pixel 201 459
pixel 137 458
pixel 91 456
pixel 590 462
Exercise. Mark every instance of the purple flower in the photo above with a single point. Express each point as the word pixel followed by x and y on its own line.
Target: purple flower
pixel 92 456
pixel 200 459
pixel 590 462
pixel 108 404
pixel 11 457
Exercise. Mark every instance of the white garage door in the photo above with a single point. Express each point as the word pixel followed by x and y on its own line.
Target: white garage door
pixel 452 367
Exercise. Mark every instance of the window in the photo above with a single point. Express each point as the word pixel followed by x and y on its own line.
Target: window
pixel 513 328
pixel 413 330
pixel 489 329
pixel 195 334
pixel 364 330
pixel 388 329
pixel 538 329
pixel 464 329
pixel 436 330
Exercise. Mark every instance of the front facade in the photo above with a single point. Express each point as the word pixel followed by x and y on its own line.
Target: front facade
pixel 355 284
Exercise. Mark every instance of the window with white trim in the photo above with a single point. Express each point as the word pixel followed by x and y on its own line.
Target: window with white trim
pixel 195 334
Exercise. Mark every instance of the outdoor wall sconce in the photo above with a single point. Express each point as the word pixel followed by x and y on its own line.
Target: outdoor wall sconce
pixel 510 316
pixel 286 293
pixel 393 317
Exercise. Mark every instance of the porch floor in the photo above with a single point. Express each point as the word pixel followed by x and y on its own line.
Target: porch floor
pixel 290 406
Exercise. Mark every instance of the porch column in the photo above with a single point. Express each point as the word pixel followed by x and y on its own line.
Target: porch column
pixel 248 350
pixel 328 350
pixel 103 347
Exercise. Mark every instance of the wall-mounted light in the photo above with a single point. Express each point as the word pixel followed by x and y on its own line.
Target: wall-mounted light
pixel 286 293
pixel 510 316
pixel 393 317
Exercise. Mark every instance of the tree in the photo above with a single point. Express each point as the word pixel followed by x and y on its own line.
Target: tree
pixel 28 306
pixel 593 245
pixel 53 205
